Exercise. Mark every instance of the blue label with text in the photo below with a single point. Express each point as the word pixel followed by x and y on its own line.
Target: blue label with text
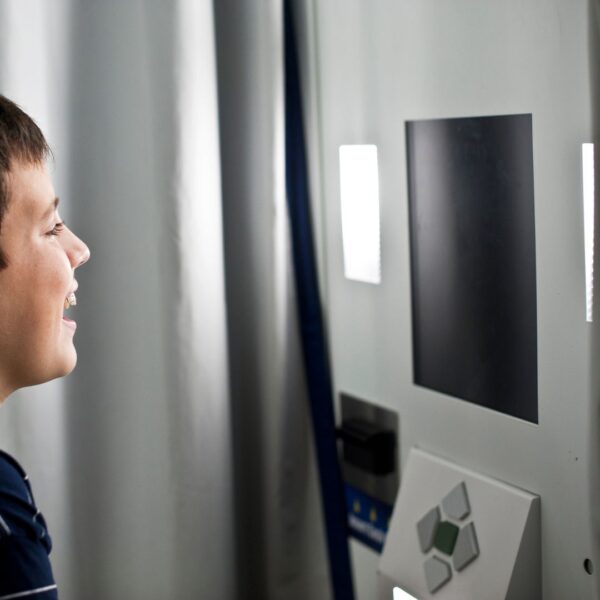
pixel 368 518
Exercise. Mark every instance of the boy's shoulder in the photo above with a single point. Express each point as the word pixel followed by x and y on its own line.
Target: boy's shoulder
pixel 13 479
pixel 18 512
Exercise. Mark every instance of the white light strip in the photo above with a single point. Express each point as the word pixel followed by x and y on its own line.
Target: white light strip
pixel 587 155
pixel 402 595
pixel 359 189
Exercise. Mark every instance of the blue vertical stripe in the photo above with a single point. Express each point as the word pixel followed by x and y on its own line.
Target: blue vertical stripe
pixel 311 324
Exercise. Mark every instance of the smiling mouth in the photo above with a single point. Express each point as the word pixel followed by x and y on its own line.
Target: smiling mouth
pixel 70 300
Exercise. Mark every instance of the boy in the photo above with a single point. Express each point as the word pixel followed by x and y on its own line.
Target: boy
pixel 38 258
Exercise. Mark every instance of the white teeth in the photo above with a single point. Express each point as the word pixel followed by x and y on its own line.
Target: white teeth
pixel 71 300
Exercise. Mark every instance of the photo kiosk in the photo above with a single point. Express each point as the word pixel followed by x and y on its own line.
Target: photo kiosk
pixel 478 330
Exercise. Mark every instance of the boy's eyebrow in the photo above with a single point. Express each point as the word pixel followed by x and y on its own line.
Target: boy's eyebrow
pixel 51 208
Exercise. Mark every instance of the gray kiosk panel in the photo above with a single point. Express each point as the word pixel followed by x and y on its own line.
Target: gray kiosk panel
pixel 374 68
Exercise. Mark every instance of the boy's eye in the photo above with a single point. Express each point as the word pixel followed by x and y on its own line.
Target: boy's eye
pixel 57 229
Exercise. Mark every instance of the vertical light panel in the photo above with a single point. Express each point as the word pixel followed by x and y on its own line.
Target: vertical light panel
pixel 587 155
pixel 359 188
pixel 402 595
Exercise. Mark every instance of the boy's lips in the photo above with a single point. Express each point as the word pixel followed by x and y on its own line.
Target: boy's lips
pixel 70 323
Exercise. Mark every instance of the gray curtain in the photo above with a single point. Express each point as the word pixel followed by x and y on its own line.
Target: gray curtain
pixel 280 537
pixel 176 461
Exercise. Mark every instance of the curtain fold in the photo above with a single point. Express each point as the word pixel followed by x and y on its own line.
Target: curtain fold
pixel 280 543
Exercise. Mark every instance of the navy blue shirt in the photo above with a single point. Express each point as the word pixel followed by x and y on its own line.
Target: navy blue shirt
pixel 25 544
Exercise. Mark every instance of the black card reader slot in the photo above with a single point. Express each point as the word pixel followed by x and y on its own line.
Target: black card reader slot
pixel 367 446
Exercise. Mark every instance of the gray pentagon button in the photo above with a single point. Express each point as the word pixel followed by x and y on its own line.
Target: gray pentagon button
pixel 466 549
pixel 437 573
pixel 456 503
pixel 427 527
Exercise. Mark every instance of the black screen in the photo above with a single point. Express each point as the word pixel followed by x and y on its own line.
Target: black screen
pixel 472 237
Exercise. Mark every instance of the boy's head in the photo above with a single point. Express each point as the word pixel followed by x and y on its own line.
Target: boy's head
pixel 39 255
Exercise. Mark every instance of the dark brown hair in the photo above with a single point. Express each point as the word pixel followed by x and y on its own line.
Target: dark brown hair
pixel 21 141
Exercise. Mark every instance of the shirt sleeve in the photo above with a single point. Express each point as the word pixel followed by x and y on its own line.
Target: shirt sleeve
pixel 25 570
